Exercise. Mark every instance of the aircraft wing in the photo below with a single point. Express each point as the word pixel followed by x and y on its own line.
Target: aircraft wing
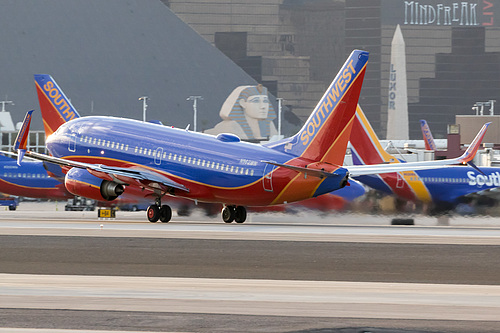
pixel 121 175
pixel 466 158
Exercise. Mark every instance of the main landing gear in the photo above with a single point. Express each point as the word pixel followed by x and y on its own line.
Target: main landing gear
pixel 234 213
pixel 159 212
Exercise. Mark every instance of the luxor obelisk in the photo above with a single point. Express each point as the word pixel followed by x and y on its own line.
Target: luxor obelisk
pixel 397 111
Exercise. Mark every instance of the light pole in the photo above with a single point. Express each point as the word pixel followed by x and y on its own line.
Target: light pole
pixel 195 110
pixel 144 107
pixel 3 104
pixel 280 100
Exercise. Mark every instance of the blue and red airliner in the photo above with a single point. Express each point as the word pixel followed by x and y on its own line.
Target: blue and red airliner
pixel 30 179
pixel 103 157
pixel 37 179
pixel 442 188
pixel 51 98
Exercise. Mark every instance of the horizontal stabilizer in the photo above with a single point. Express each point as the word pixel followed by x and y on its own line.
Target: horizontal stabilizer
pixel 320 173
pixel 467 156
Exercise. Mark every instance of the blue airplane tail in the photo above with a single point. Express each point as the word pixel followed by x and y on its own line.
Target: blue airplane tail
pixel 55 106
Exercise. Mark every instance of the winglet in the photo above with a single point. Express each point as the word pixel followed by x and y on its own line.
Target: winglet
pixel 474 146
pixel 22 137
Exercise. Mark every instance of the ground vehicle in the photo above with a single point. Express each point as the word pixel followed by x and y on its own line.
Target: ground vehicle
pixel 80 204
pixel 6 200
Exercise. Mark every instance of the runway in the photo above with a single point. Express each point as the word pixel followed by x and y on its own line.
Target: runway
pixel 195 274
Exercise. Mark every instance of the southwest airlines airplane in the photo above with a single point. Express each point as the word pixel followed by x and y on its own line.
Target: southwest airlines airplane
pixel 30 179
pixel 443 188
pixel 103 157
pixel 331 201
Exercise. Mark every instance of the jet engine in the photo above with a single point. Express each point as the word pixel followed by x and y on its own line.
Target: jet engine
pixel 80 182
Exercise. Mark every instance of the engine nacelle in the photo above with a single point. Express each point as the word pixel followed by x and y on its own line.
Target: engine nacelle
pixel 80 182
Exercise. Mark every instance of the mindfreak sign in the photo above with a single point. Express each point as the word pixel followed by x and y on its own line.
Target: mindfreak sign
pixel 440 12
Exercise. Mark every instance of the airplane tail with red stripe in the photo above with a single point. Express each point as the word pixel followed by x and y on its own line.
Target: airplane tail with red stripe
pixel 365 145
pixel 55 106
pixel 325 135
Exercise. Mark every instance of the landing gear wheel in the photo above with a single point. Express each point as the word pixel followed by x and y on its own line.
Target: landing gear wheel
pixel 165 213
pixel 153 213
pixel 240 214
pixel 228 214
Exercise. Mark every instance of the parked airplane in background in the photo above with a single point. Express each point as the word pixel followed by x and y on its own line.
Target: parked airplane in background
pixel 443 188
pixel 427 134
pixel 105 156
pixel 30 179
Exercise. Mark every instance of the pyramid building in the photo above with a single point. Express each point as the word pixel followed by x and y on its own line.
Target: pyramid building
pixel 107 54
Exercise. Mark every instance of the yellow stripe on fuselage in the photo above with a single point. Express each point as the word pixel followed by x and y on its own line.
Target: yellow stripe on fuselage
pixel 418 187
pixel 410 177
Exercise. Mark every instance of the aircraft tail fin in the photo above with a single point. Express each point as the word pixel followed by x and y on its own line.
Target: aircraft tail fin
pixel 325 134
pixel 55 106
pixel 427 134
pixel 21 142
pixel 366 148
pixel 365 145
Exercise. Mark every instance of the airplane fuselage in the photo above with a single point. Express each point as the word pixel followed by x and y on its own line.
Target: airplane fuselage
pixel 29 180
pixel 214 169
pixel 436 185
